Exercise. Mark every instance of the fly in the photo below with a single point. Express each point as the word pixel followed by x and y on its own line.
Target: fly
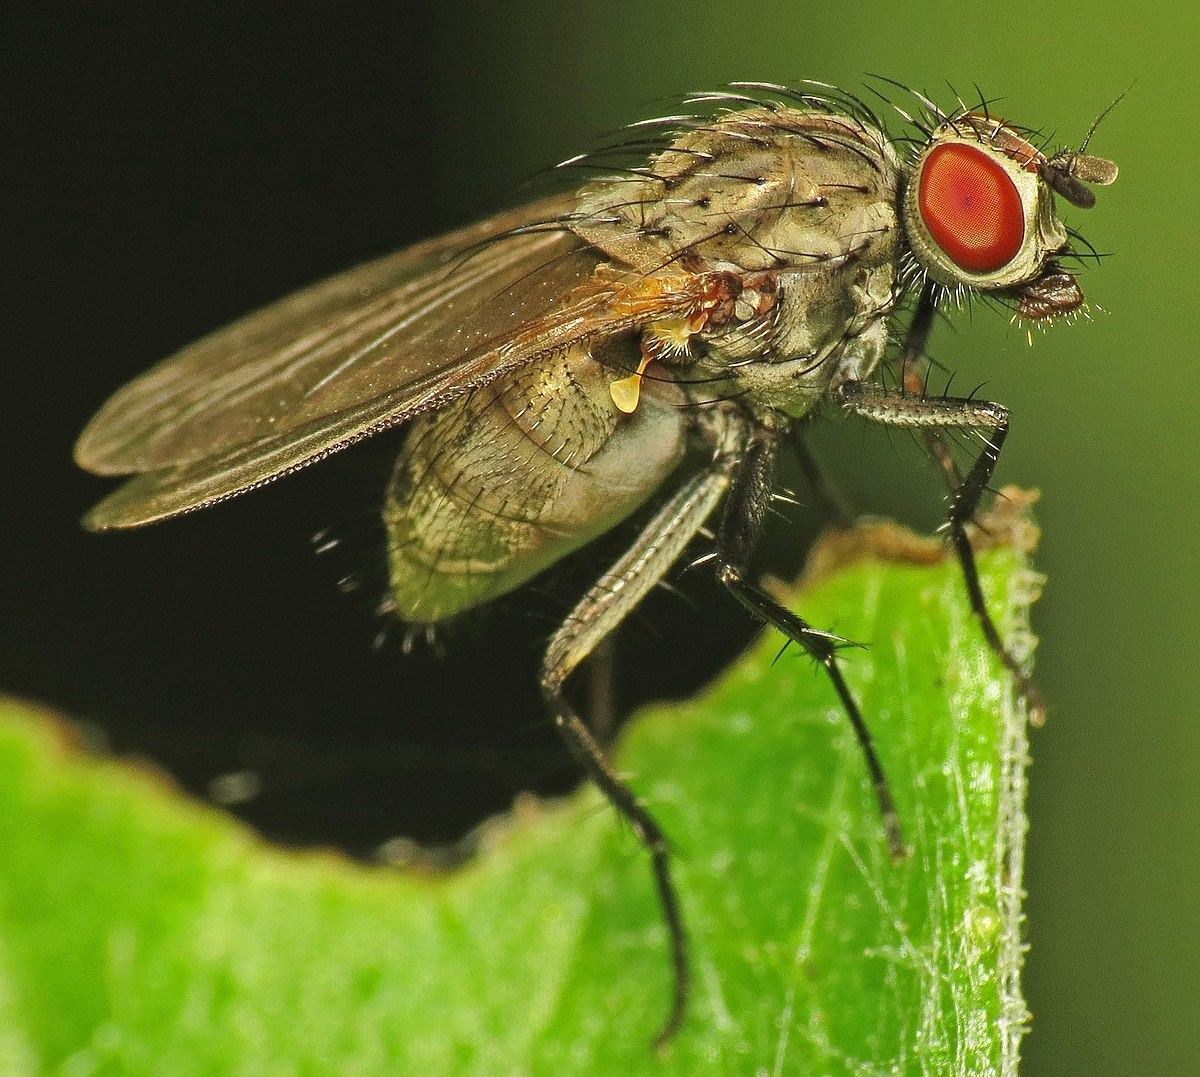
pixel 556 363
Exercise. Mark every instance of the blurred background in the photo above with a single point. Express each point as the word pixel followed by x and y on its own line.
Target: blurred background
pixel 172 169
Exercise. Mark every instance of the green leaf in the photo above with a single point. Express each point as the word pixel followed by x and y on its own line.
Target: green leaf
pixel 141 933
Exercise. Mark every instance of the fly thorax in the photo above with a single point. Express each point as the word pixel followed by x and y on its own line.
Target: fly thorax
pixel 761 189
pixel 805 198
pixel 795 385
pixel 822 329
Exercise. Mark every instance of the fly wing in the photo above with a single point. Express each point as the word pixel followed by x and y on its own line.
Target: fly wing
pixel 265 411
pixel 326 349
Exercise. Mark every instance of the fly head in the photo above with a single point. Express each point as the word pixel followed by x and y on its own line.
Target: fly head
pixel 979 213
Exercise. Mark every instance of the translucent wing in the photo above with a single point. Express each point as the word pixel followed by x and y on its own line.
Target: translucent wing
pixel 342 360
pixel 329 347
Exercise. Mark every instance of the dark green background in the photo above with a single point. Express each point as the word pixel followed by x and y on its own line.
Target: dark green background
pixel 446 111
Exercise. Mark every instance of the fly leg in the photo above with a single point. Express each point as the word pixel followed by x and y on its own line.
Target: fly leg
pixel 596 616
pixel 931 414
pixel 745 510
pixel 601 689
pixel 911 355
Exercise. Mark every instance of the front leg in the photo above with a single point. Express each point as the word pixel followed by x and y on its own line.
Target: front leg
pixel 931 414
pixel 745 509
pixel 911 355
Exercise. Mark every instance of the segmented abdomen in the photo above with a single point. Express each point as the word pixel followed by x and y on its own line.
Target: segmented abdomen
pixel 498 485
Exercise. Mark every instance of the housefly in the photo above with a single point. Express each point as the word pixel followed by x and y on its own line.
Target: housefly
pixel 559 363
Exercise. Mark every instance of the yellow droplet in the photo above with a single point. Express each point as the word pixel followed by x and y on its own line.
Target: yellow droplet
pixel 625 393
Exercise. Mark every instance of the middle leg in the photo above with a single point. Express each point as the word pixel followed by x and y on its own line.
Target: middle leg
pixel 745 510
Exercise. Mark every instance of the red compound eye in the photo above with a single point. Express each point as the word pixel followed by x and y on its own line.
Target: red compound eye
pixel 971 207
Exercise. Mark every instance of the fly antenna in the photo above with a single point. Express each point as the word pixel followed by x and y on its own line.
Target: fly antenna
pixel 1099 119
pixel 1068 171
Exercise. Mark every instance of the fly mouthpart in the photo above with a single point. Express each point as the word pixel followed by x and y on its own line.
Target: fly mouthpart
pixel 1053 294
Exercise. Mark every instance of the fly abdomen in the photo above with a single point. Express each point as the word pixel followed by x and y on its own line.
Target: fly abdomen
pixel 497 486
